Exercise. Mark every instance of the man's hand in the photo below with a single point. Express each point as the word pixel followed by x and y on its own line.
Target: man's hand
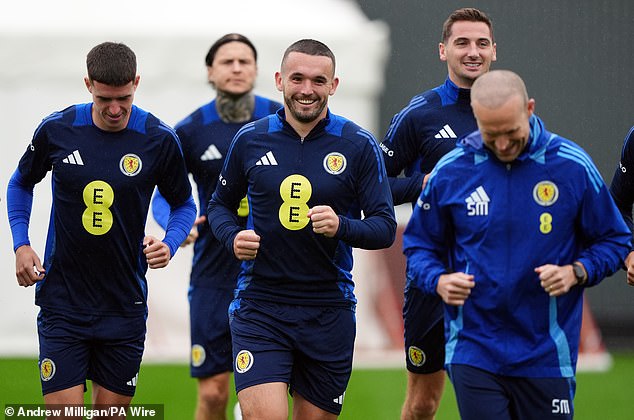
pixel 425 179
pixel 28 267
pixel 246 245
pixel 156 252
pixel 325 220
pixel 556 280
pixel 455 288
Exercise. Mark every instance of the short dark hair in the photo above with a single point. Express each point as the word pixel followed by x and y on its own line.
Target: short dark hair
pixel 111 63
pixel 310 47
pixel 468 14
pixel 233 37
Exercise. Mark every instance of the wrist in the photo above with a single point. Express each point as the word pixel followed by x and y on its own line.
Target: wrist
pixel 581 275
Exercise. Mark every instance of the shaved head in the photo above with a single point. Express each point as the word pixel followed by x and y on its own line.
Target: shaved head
pixel 495 88
pixel 502 110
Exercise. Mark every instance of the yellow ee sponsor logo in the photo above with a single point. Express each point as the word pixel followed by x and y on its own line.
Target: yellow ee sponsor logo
pixel 545 223
pixel 295 191
pixel 98 196
pixel 243 208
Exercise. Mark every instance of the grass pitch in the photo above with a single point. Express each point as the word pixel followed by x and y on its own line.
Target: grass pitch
pixel 373 394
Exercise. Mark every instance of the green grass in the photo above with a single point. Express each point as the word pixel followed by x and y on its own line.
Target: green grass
pixel 372 393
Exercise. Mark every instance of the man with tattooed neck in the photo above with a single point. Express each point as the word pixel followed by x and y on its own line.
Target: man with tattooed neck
pixel 206 135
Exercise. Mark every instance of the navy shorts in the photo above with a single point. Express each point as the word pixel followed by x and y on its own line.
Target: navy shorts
pixel 210 334
pixel 424 331
pixel 484 395
pixel 77 347
pixel 308 347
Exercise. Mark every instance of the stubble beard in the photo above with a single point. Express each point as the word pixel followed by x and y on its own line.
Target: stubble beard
pixel 304 117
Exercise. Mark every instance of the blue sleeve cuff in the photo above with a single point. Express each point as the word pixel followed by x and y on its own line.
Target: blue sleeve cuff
pixel 179 224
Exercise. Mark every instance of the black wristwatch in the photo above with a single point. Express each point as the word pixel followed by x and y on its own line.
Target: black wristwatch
pixel 580 273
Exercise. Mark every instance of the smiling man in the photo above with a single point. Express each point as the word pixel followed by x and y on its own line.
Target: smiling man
pixel 308 175
pixel 510 229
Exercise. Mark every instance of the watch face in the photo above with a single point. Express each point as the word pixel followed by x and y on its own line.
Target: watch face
pixel 579 273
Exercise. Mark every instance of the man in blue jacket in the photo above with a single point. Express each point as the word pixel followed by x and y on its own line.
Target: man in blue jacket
pixel 511 227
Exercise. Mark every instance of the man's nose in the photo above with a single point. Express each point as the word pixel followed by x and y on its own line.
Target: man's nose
pixel 502 143
pixel 473 50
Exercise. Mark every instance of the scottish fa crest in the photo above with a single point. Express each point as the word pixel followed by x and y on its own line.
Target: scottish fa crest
pixel 130 164
pixel 335 163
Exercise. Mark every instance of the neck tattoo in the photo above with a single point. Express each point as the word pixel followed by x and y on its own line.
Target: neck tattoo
pixel 235 109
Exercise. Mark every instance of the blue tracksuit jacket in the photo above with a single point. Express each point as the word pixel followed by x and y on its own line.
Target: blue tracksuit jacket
pixel 498 221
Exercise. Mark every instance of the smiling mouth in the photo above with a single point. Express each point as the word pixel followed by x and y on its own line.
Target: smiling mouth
pixel 306 102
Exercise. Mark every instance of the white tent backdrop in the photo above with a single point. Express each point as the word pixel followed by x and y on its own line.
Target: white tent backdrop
pixel 42 50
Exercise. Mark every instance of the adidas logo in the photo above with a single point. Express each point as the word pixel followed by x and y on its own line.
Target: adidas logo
pixel 339 399
pixel 212 153
pixel 478 203
pixel 446 133
pixel 267 159
pixel 74 158
pixel 133 381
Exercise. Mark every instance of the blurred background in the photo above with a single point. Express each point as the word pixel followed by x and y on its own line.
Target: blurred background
pixel 575 57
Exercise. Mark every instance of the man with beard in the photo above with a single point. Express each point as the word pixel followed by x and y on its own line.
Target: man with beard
pixel 308 175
